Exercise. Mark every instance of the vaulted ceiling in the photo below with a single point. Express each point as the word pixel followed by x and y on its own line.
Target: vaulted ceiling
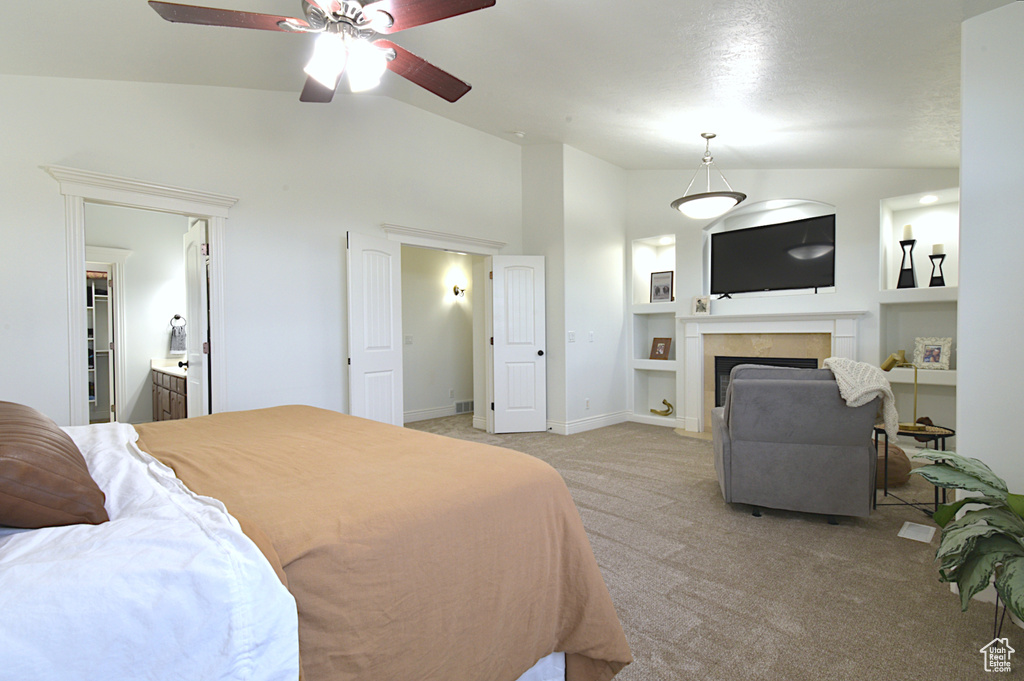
pixel 784 83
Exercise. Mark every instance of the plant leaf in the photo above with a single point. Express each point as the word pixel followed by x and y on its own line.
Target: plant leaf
pixel 946 512
pixel 946 476
pixel 961 541
pixel 976 572
pixel 1016 502
pixel 1003 519
pixel 976 468
pixel 1010 585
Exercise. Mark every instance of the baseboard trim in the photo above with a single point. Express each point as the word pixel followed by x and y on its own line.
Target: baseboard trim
pixel 690 423
pixel 589 423
pixel 655 420
pixel 425 414
pixel 480 422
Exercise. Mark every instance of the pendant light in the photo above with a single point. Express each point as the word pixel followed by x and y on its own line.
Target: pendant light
pixel 707 204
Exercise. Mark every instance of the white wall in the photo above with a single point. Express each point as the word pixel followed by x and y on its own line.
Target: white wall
pixel 304 174
pixel 595 282
pixel 574 215
pixel 154 291
pixel 991 241
pixel 544 234
pixel 439 325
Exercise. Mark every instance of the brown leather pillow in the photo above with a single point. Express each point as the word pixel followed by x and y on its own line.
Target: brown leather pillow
pixel 44 481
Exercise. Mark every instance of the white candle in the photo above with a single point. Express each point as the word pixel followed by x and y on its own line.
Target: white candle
pixel 937 249
pixel 908 234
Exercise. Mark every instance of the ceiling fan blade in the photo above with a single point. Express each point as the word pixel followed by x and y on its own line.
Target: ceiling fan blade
pixel 409 13
pixel 423 73
pixel 209 16
pixel 314 91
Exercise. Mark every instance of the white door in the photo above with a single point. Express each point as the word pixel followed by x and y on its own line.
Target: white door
pixel 519 365
pixel 375 328
pixel 197 320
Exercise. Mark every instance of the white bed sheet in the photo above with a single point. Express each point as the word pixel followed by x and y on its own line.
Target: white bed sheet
pixel 170 588
pixel 549 668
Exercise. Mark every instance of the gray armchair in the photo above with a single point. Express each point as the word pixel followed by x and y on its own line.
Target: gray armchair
pixel 786 439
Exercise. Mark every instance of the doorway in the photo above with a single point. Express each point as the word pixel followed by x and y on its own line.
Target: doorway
pixel 79 186
pixel 151 294
pixel 439 295
pixel 376 341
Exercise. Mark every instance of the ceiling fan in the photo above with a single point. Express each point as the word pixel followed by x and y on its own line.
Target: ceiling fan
pixel 348 40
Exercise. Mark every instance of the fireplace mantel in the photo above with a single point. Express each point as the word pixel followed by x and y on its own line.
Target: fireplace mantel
pixel 841 327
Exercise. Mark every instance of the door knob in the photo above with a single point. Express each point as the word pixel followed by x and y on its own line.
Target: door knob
pixel 540 352
pixel 183 365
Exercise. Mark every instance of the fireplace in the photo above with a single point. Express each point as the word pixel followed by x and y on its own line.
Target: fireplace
pixel 724 365
pixel 702 338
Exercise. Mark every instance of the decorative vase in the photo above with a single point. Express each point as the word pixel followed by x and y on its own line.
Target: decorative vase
pixel 937 278
pixel 907 277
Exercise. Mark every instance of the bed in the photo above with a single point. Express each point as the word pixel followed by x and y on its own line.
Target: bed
pixel 371 551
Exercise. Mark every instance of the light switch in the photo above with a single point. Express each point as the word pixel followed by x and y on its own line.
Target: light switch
pixel 572 336
pixel 408 340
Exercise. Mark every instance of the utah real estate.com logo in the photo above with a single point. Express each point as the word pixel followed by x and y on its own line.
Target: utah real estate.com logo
pixel 997 655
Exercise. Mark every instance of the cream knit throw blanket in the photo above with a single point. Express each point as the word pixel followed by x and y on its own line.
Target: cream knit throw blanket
pixel 859 383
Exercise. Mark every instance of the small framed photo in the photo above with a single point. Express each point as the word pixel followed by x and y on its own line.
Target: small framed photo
pixel 701 305
pixel 660 348
pixel 661 287
pixel 932 353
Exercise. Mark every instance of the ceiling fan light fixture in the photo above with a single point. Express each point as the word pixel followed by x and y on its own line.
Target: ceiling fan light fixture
pixel 381 21
pixel 328 60
pixel 366 64
pixel 707 204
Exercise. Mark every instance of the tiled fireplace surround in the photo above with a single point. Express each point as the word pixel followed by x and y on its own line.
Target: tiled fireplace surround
pixel 817 335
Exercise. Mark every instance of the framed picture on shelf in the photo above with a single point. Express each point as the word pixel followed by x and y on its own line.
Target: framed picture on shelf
pixel 701 305
pixel 661 287
pixel 660 347
pixel 932 353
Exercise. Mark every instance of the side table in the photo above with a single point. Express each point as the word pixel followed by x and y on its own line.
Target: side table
pixel 937 435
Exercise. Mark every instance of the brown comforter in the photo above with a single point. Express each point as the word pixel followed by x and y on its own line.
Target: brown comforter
pixel 412 556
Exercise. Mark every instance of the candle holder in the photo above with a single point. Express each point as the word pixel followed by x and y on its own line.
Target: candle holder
pixel 907 277
pixel 937 278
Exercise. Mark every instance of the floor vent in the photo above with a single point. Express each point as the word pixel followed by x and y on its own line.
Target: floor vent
pixel 464 407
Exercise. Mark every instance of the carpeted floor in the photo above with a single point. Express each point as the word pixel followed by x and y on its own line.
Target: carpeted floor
pixel 706 591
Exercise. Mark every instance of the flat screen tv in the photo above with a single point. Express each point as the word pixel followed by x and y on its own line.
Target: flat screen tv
pixel 790 255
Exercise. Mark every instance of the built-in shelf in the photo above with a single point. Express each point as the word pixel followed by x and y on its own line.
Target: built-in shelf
pixel 655 364
pixel 906 314
pixel 653 380
pixel 655 420
pixel 654 308
pixel 924 376
pixel 936 294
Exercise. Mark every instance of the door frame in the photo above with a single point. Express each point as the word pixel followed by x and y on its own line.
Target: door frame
pixel 456 243
pixel 81 186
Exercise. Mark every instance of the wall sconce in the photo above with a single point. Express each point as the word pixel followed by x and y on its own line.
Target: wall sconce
pixel 460 292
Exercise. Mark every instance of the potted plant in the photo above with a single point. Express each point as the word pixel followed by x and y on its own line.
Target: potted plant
pixel 988 539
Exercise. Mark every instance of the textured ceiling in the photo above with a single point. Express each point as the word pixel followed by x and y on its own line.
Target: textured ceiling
pixel 784 83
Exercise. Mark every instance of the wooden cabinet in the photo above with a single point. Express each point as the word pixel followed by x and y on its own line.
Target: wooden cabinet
pixel 168 396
